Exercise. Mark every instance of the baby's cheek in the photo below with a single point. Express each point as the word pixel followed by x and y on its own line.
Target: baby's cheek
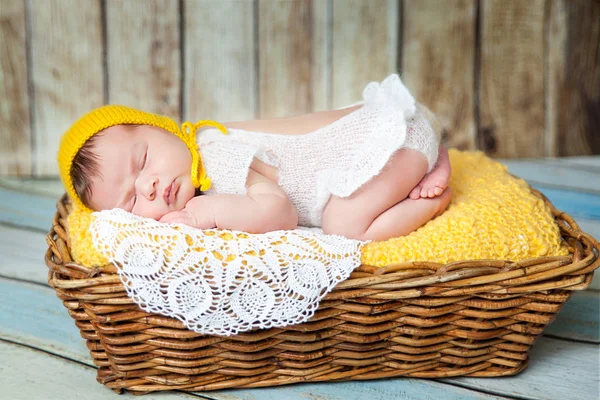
pixel 185 196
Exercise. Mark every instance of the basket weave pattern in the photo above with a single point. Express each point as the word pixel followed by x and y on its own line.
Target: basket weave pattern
pixel 419 319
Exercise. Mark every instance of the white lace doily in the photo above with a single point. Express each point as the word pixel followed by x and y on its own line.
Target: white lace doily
pixel 223 282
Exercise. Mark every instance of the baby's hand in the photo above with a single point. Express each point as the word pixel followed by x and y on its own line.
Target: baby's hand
pixel 179 217
pixel 189 217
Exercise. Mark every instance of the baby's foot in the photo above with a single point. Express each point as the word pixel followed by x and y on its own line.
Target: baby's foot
pixel 436 181
pixel 430 186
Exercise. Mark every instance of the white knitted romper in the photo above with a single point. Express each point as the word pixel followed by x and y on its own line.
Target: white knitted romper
pixel 336 159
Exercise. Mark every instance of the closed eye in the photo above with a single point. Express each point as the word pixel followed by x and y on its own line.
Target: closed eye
pixel 144 159
pixel 143 163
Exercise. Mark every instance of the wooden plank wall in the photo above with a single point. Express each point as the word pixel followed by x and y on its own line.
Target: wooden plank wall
pixel 513 78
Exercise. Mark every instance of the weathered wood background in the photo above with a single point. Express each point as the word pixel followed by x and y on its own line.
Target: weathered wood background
pixel 514 78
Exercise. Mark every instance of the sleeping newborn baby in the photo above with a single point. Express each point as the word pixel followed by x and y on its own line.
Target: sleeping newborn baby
pixel 369 172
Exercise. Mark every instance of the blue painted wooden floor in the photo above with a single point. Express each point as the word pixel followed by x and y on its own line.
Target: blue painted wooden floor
pixel 42 355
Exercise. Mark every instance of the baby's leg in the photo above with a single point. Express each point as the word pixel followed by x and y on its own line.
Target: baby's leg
pixel 352 216
pixel 407 216
pixel 434 183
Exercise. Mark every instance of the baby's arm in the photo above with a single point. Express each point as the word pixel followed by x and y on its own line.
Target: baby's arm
pixel 265 207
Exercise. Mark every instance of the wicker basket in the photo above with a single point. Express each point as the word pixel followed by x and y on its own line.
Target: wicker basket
pixel 420 319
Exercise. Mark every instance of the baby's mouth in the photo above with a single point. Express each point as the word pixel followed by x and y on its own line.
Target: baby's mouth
pixel 170 192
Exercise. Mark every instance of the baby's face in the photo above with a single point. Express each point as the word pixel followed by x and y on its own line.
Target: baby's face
pixel 143 169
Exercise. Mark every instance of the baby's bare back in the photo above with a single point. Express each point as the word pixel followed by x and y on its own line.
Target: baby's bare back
pixel 295 125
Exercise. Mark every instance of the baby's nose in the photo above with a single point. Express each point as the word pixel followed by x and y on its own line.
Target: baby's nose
pixel 151 191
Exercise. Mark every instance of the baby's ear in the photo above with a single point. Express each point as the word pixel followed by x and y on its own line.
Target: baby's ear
pixel 85 165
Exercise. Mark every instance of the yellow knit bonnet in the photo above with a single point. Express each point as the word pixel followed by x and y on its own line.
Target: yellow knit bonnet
pixel 110 115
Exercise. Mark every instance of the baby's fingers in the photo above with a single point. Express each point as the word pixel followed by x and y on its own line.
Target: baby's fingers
pixel 178 217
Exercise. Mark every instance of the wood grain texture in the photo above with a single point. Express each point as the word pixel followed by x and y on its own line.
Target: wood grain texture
pixel 438 53
pixel 15 135
pixel 47 325
pixel 52 188
pixel 589 162
pixel 382 389
pixel 321 55
pixel 291 60
pixel 48 377
pixel 552 172
pixel 512 78
pixel 575 203
pixel 579 318
pixel 143 55
pixel 220 60
pixel 574 77
pixel 557 370
pixel 22 254
pixel 556 38
pixel 67 71
pixel 364 46
pixel 25 210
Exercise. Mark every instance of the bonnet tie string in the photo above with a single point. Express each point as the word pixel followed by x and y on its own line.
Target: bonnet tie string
pixel 198 175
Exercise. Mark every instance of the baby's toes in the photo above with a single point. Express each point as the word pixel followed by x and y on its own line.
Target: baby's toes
pixel 438 191
pixel 427 193
pixel 443 184
pixel 415 193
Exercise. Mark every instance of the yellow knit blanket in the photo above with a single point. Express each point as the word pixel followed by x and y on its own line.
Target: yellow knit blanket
pixel 492 215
